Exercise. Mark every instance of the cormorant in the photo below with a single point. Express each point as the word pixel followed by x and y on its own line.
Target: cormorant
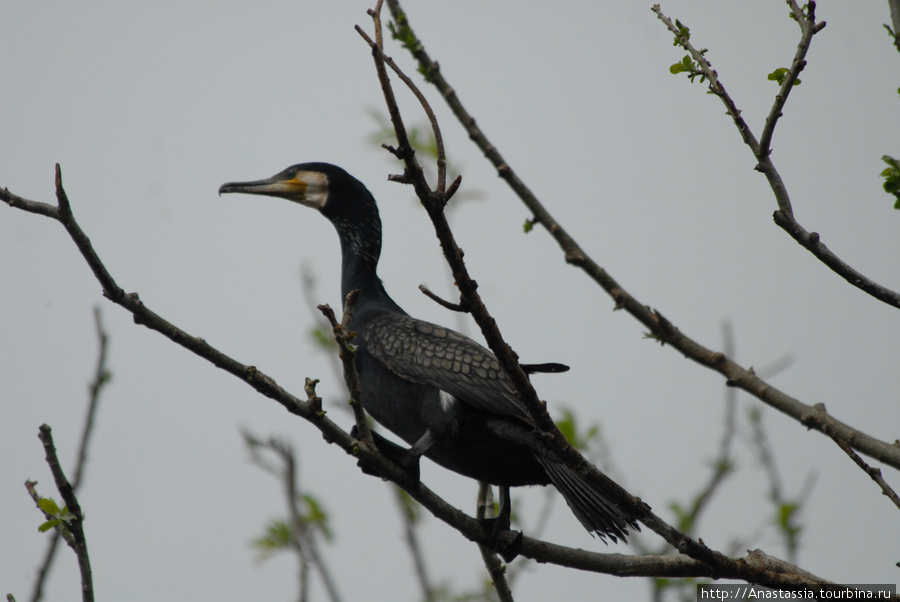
pixel 441 392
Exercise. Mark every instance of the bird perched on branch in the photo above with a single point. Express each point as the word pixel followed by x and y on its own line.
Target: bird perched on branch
pixel 441 392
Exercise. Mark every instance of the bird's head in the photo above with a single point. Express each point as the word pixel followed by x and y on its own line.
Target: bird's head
pixel 306 183
pixel 328 188
pixel 340 197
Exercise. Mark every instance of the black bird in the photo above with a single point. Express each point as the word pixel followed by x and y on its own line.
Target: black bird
pixel 441 392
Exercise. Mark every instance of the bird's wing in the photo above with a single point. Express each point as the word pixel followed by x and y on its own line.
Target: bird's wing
pixel 432 355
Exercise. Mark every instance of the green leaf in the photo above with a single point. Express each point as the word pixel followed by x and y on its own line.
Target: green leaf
pixel 48 525
pixel 316 515
pixel 891 176
pixel 687 66
pixel 48 505
pixel 779 76
pixel 277 537
pixel 580 439
pixel 567 426
pixel 322 339
pixel 684 34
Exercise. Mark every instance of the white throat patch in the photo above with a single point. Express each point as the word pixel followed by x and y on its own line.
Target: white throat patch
pixel 315 194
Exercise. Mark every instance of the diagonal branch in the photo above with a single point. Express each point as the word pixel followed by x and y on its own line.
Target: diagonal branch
pixel 662 329
pixel 874 473
pixel 438 138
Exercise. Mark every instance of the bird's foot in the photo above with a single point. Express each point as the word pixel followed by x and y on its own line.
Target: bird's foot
pixel 501 540
pixel 395 453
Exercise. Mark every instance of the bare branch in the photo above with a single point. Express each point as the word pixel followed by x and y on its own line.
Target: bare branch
pixel 812 243
pixel 438 138
pixel 874 473
pixel 460 307
pixel 343 336
pixel 809 28
pixel 408 513
pixel 301 528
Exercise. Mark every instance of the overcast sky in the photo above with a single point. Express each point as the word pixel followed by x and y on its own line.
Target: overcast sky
pixel 148 108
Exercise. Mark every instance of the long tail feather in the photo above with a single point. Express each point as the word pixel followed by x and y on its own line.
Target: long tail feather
pixel 590 506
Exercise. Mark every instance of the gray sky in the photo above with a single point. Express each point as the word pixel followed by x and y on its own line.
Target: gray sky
pixel 150 107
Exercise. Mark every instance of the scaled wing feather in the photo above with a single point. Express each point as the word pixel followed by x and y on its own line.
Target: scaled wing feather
pixel 432 355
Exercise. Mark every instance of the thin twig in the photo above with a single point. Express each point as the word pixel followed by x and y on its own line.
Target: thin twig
pixel 779 501
pixel 717 88
pixel 79 543
pixel 306 544
pixel 343 335
pixel 429 112
pixel 874 473
pixel 723 464
pixel 410 519
pixel 460 307
pixel 809 28
pixel 101 378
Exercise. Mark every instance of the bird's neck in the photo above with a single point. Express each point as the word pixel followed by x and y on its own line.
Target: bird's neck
pixel 360 250
pixel 359 272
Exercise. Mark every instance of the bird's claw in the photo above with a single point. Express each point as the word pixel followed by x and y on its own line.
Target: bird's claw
pixel 498 542
pixel 396 454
